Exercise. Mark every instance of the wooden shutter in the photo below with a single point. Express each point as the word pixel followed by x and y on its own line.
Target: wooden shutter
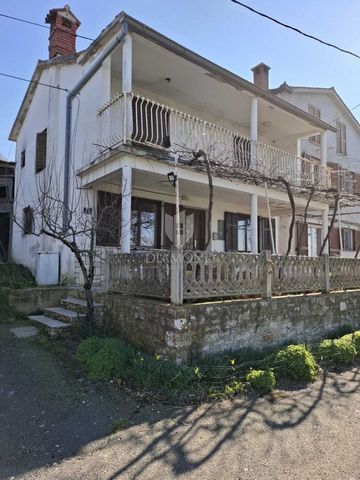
pixel 108 219
pixel 40 161
pixel 230 232
pixel 334 241
pixel 302 238
pixel 357 239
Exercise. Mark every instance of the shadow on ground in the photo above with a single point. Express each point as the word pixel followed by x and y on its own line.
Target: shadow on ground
pixel 49 420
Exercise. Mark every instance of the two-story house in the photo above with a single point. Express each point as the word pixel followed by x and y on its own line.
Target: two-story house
pixel 124 125
pixel 343 155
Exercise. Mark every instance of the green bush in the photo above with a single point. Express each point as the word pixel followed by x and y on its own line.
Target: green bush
pixel 87 348
pixel 354 339
pixel 336 352
pixel 296 363
pixel 262 381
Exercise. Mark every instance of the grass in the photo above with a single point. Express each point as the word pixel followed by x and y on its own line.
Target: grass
pixel 13 275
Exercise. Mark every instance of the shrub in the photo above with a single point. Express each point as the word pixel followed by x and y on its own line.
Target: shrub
pixel 104 359
pixel 14 275
pixel 87 348
pixel 262 381
pixel 354 339
pixel 296 363
pixel 336 352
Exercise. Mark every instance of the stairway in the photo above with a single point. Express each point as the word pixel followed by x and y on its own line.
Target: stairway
pixel 60 320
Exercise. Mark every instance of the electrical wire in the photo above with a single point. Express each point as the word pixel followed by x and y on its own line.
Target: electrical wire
pixel 297 30
pixel 9 17
pixel 7 75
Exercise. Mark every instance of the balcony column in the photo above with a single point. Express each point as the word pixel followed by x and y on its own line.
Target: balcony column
pixel 127 54
pixel 324 228
pixel 254 223
pixel 126 208
pixel 323 157
pixel 254 199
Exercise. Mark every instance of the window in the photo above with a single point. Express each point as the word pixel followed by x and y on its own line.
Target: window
pixel 237 232
pixel 40 160
pixel 145 223
pixel 22 159
pixel 108 218
pixel 340 138
pixel 264 233
pixel 315 112
pixel 314 241
pixel 347 239
pixel 3 191
pixel 28 220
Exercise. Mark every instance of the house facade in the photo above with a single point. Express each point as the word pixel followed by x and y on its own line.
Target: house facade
pixel 343 147
pixel 144 135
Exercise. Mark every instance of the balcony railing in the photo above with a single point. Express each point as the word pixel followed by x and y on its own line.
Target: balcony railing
pixel 129 118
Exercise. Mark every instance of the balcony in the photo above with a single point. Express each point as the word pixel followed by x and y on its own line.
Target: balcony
pixel 138 121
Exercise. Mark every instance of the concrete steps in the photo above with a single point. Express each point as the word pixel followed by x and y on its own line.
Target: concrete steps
pixel 53 327
pixel 60 320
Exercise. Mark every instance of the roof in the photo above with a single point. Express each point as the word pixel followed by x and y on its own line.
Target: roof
pixel 152 35
pixel 330 91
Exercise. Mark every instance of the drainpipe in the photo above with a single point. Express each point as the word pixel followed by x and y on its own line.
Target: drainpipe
pixel 69 99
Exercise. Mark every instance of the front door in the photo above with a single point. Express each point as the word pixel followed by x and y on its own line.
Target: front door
pixel 192 227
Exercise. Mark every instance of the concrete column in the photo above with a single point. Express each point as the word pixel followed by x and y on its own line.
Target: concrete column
pixel 127 54
pixel 324 228
pixel 298 147
pixel 254 223
pixel 126 208
pixel 323 156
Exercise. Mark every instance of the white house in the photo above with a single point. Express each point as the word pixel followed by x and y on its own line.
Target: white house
pixel 343 155
pixel 137 104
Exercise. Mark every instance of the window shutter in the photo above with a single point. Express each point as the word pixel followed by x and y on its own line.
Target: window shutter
pixel 357 239
pixel 40 161
pixel 302 238
pixel 334 242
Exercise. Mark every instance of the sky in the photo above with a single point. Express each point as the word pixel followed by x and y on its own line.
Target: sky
pixel 219 30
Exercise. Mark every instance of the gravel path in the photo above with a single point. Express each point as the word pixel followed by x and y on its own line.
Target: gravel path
pixel 55 427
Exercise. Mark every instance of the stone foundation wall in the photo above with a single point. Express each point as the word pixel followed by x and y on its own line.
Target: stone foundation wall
pixel 34 299
pixel 188 332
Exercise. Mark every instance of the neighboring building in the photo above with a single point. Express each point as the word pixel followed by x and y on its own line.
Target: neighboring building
pixel 144 101
pixel 7 172
pixel 343 154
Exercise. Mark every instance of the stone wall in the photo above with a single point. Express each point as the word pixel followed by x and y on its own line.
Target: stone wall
pixel 188 332
pixel 34 299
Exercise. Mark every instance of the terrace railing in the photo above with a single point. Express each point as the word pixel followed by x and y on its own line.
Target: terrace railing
pixel 180 276
pixel 130 118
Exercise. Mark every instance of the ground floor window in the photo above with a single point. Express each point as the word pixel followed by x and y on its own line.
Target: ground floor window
pixel 238 233
pixel 314 241
pixel 145 223
pixel 347 239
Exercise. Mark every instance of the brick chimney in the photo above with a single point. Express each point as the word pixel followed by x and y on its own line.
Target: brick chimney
pixel 63 26
pixel 261 76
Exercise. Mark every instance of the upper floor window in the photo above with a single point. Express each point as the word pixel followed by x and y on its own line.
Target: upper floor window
pixel 341 138
pixel 28 220
pixel 40 160
pixel 315 112
pixel 22 159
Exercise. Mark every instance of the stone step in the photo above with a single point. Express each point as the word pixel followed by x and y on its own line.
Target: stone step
pixel 63 314
pixel 54 327
pixel 78 304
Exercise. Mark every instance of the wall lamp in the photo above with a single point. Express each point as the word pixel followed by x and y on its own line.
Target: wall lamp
pixel 172 177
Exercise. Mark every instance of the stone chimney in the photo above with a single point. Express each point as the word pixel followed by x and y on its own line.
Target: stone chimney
pixel 261 76
pixel 63 26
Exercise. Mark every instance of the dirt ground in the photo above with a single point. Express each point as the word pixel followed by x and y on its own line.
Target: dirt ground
pixel 55 425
